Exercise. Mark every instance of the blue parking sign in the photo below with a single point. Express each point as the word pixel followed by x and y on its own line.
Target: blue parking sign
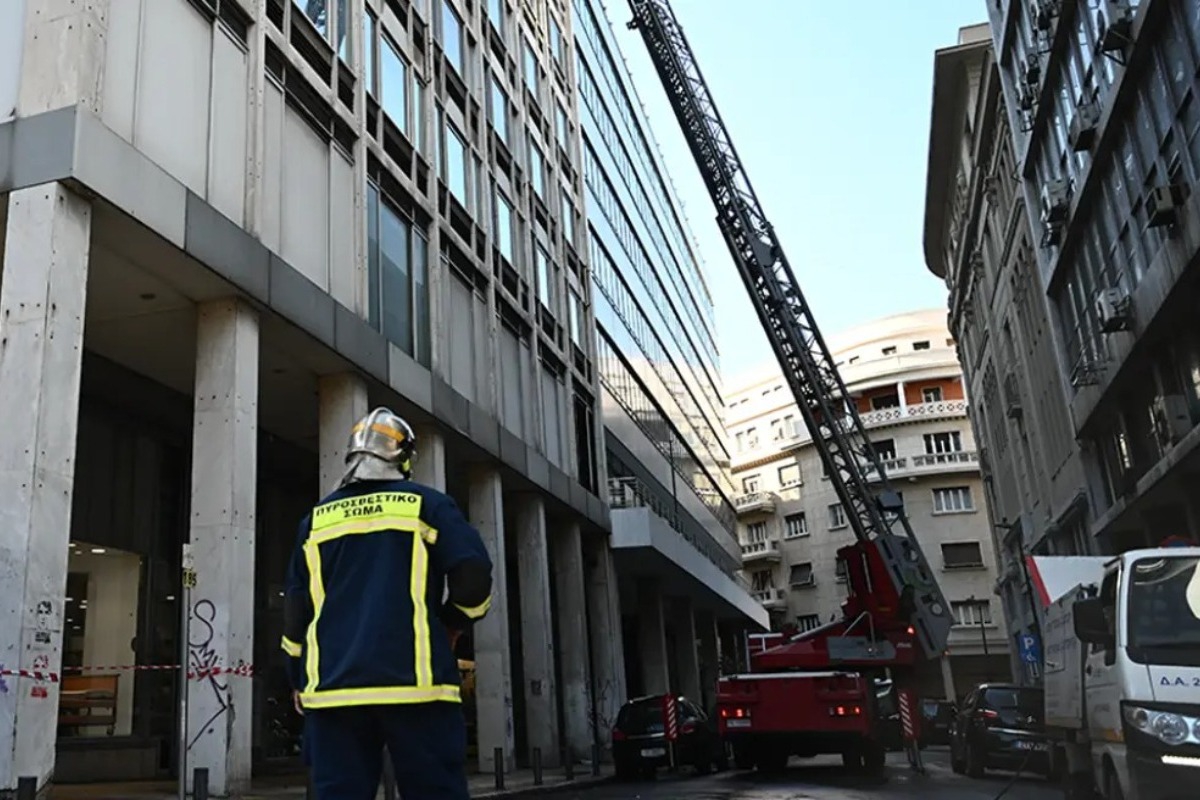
pixel 1030 648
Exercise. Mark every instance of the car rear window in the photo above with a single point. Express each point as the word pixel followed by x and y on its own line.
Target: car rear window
pixel 640 716
pixel 1028 701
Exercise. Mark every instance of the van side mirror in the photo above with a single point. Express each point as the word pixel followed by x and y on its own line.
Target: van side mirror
pixel 1091 626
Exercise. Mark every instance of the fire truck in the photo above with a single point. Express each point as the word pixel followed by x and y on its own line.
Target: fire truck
pixel 815 691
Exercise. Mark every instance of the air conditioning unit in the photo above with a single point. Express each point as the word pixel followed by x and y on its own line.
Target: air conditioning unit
pixel 1172 418
pixel 1056 198
pixel 1044 12
pixel 1033 70
pixel 1082 133
pixel 1114 25
pixel 1113 309
pixel 1163 204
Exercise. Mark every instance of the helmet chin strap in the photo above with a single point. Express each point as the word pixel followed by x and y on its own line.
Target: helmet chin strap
pixel 366 467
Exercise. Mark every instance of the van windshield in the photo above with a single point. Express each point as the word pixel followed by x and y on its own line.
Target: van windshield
pixel 1164 611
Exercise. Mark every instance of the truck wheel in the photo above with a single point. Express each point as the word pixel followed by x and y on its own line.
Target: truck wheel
pixel 874 758
pixel 852 760
pixel 743 758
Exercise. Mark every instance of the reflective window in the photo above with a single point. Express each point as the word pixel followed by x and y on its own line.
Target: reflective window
pixel 556 41
pixel 317 12
pixel 505 242
pixel 455 174
pixel 543 275
pixel 499 102
pixel 567 217
pixel 495 12
pixel 343 38
pixel 397 271
pixel 561 127
pixel 529 58
pixel 369 52
pixel 394 75
pixel 575 314
pixel 395 278
pixel 452 38
pixel 537 170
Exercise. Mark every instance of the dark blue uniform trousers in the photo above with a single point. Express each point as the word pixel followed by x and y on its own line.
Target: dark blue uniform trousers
pixel 427 743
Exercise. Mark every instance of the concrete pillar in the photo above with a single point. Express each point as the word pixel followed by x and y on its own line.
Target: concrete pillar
pixel 42 299
pixel 652 639
pixel 48 79
pixel 948 679
pixel 708 643
pixel 572 619
pixel 687 660
pixel 493 663
pixel 430 466
pixel 342 402
pixel 224 489
pixel 537 628
pixel 607 644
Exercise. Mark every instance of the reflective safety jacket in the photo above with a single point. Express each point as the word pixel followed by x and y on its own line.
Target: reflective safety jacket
pixel 364 617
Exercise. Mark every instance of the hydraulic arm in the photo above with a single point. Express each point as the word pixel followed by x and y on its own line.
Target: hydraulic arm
pixel 893 595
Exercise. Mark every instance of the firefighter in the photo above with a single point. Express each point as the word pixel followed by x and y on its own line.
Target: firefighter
pixel 368 635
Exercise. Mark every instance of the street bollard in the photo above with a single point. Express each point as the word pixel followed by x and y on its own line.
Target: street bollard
pixel 200 783
pixel 389 778
pixel 498 766
pixel 27 789
pixel 568 760
pixel 537 766
pixel 595 761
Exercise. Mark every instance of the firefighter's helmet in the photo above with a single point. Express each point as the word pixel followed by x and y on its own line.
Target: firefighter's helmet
pixel 385 436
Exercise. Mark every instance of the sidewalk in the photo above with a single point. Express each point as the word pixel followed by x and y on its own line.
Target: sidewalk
pixel 518 783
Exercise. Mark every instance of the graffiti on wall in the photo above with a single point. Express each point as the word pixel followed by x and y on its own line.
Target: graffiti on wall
pixel 203 656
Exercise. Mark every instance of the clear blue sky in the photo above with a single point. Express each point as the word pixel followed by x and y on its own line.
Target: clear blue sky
pixel 828 104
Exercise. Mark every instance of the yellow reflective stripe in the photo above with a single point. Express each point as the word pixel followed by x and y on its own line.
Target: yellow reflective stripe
pixel 366 506
pixel 388 431
pixel 475 612
pixel 418 583
pixel 366 526
pixel 316 588
pixel 382 695
pixel 291 648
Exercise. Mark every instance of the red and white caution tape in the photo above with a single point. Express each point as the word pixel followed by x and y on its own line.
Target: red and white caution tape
pixel 243 670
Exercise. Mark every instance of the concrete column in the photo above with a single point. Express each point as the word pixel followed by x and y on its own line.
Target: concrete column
pixel 607 644
pixel 537 629
pixel 710 658
pixel 42 299
pixel 493 663
pixel 342 402
pixel 430 466
pixel 224 489
pixel 572 619
pixel 50 81
pixel 683 624
pixel 652 639
pixel 948 679
pixel 900 389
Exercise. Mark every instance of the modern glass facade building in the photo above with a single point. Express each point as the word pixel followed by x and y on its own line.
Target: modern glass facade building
pixel 657 363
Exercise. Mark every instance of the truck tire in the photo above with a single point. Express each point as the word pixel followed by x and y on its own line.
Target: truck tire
pixel 874 759
pixel 852 760
pixel 743 758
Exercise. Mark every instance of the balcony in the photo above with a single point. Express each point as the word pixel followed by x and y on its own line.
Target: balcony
pixel 755 503
pixel 928 464
pixel 770 598
pixel 943 409
pixel 763 550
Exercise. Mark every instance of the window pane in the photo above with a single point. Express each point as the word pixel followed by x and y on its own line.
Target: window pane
pixel 556 40
pixel 531 77
pixel 418 127
pixel 560 126
pixel 452 37
pixel 536 177
pixel 373 256
pixel 456 165
pixel 395 85
pixel 567 212
pixel 343 39
pixel 317 11
pixel 369 52
pixel 421 298
pixel 499 110
pixel 504 229
pixel 397 292
pixel 543 275
pixel 573 312
pixel 495 12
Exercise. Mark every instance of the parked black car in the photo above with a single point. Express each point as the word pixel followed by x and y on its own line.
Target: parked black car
pixel 1000 726
pixel 640 743
pixel 937 718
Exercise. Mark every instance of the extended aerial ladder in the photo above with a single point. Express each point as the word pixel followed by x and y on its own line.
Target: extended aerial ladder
pixel 893 596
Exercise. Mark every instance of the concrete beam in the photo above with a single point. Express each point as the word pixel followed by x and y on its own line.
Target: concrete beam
pixel 607 643
pixel 572 619
pixel 224 494
pixel 537 629
pixel 493 662
pixel 42 298
pixel 342 402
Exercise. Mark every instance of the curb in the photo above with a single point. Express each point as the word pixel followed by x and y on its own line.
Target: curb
pixel 582 784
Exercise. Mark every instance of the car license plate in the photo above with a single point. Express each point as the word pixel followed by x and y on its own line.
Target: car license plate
pixel 1028 745
pixel 737 723
pixel 654 752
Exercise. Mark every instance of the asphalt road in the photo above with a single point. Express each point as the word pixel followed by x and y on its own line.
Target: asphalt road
pixel 824 779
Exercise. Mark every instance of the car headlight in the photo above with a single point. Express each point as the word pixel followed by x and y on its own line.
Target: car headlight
pixel 1166 726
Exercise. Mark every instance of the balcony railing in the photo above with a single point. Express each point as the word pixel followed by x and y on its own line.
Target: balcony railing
pixel 762 549
pixel 946 459
pixel 770 598
pixel 927 463
pixel 938 410
pixel 755 501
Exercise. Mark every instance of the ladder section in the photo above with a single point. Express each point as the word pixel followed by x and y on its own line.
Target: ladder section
pixel 872 508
